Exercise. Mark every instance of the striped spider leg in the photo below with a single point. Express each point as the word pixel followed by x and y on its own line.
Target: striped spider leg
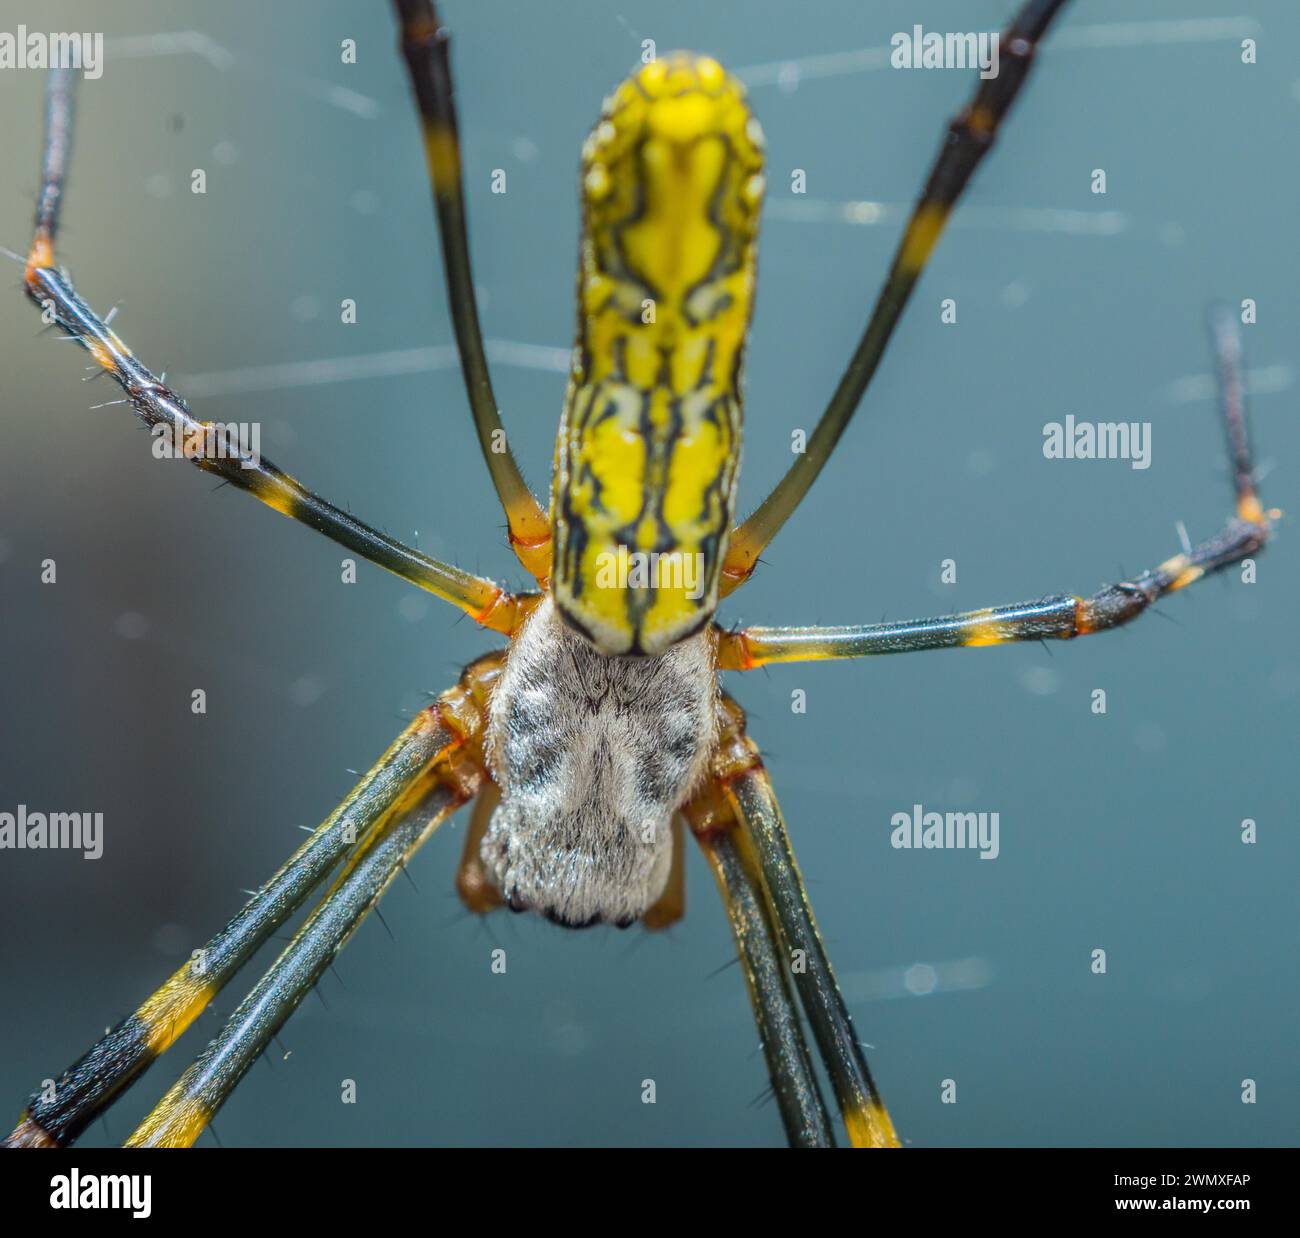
pixel 736 819
pixel 425 47
pixel 970 136
pixel 1060 616
pixel 425 800
pixel 55 1117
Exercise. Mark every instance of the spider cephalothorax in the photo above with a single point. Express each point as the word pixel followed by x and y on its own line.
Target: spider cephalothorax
pixel 592 756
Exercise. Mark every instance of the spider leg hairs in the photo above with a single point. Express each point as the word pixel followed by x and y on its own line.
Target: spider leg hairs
pixel 596 738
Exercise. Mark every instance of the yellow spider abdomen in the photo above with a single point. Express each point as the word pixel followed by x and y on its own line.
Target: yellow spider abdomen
pixel 649 444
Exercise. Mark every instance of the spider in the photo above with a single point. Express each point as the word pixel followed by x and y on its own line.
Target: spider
pixel 598 737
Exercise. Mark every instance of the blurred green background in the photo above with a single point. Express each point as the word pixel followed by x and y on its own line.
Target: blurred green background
pixel 1119 832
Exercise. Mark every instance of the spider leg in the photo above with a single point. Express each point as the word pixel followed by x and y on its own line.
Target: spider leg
pixel 969 138
pixel 473 884
pixel 194 1099
pixel 425 45
pixel 1062 616
pixel 794 1082
pixel 166 413
pixel 739 794
pixel 431 749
